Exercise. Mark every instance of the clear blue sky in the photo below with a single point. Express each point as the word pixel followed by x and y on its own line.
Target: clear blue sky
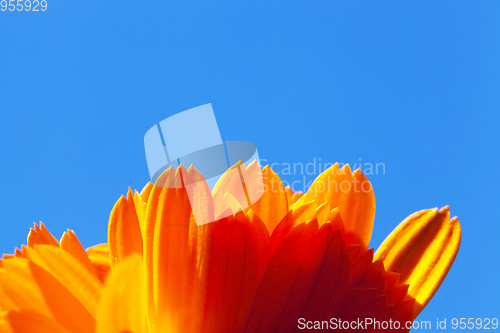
pixel 411 84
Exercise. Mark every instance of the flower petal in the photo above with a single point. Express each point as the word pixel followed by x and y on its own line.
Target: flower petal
pixel 124 231
pixel 331 281
pixel 307 275
pixel 66 309
pixel 353 194
pixel 40 235
pixel 231 182
pixel 19 288
pixel 146 191
pixel 123 303
pixel 25 321
pixel 422 248
pixel 175 257
pixel 272 205
pixel 292 197
pixel 279 279
pixel 140 209
pixel 99 257
pixel 260 190
pixel 4 326
pixel 225 205
pixel 294 217
pixel 71 244
pixel 200 197
pixel 240 254
pixel 69 272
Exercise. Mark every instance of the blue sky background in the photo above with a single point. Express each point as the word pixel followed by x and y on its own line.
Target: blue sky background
pixel 411 84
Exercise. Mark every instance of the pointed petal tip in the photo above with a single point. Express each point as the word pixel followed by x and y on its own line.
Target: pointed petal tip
pixel 347 169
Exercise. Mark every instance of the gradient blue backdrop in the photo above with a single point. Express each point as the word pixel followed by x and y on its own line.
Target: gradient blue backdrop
pixel 411 84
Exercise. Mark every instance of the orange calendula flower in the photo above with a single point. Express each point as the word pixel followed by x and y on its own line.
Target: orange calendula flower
pixel 285 262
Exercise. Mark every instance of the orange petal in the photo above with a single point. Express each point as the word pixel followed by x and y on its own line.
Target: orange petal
pixel 71 244
pixel 123 304
pixel 294 217
pixel 99 257
pixel 19 288
pixel 353 194
pixel 231 182
pixel 292 197
pixel 252 178
pixel 4 326
pixel 278 281
pixel 85 286
pixel 224 202
pixel 124 231
pixel 5 302
pixel 295 197
pixel 17 254
pixel 304 213
pixel 289 194
pixel 66 309
pixel 140 209
pixel 41 236
pixel 332 277
pixel 25 321
pixel 272 205
pixel 200 197
pixel 146 191
pixel 239 257
pixel 307 275
pixel 175 260
pixel 422 248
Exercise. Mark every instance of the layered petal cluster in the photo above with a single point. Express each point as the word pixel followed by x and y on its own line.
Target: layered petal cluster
pixel 260 267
